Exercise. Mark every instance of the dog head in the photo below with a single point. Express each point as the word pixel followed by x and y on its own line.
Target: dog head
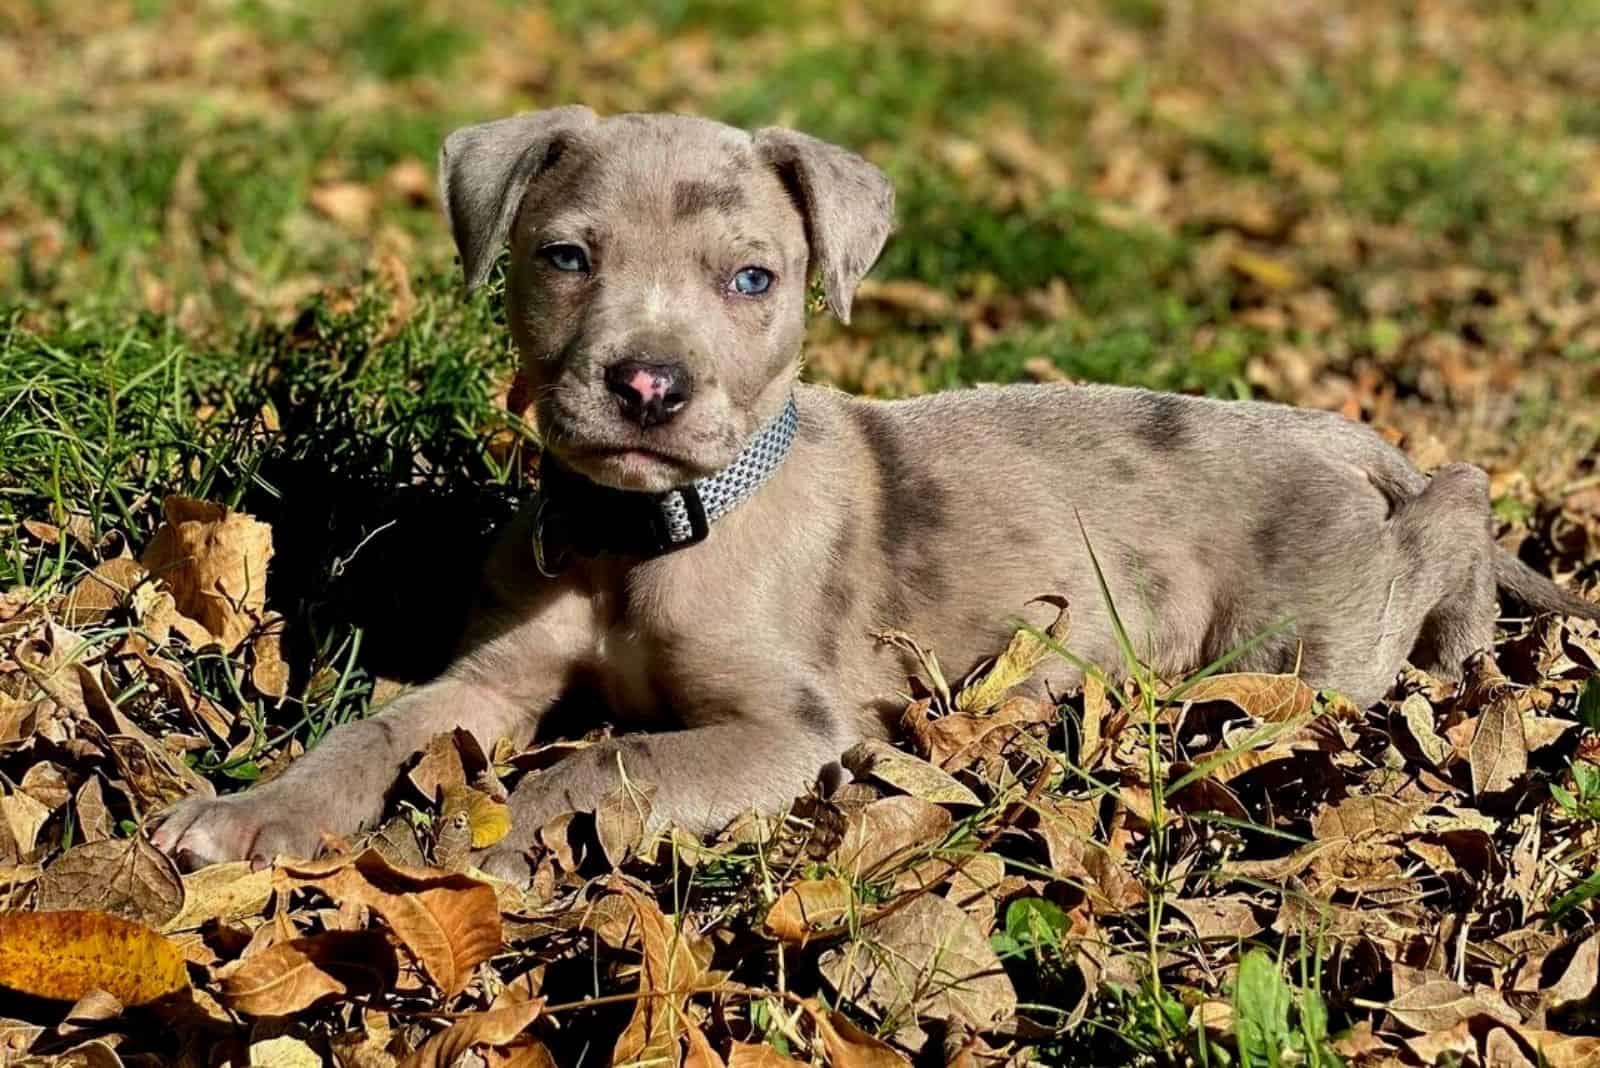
pixel 658 275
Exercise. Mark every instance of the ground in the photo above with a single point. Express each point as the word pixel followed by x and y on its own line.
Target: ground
pixel 223 279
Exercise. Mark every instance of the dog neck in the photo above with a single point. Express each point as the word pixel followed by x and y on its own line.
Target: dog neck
pixel 577 516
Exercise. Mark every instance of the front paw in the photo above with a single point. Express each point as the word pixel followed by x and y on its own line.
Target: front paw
pixel 257 825
pixel 508 864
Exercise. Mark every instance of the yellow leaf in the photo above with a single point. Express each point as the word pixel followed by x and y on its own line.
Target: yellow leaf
pixel 488 818
pixel 1016 665
pixel 228 891
pixel 65 955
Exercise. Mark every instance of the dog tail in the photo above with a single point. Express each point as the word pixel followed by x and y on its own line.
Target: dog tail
pixel 1536 591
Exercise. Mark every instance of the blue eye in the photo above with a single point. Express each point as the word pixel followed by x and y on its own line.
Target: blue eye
pixel 752 281
pixel 565 257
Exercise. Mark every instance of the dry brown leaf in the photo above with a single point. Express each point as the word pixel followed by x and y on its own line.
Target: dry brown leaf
pixel 215 563
pixel 227 892
pixel 24 817
pixel 926 960
pixel 620 820
pixel 497 1027
pixel 669 967
pixel 887 830
pixel 101 591
pixel 1269 698
pixel 1578 977
pixel 350 204
pixel 127 877
pixel 438 767
pixel 269 672
pixel 1556 1050
pixel 698 1052
pixel 1499 752
pixel 809 908
pixel 1230 917
pixel 1022 657
pixel 909 774
pixel 848 1046
pixel 291 976
pixel 1417 713
pixel 449 922
pixel 64 956
pixel 94 819
pixel 1438 1004
pixel 284 1051
pixel 759 1055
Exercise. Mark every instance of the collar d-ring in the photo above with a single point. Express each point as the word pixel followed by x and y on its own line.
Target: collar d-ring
pixel 549 565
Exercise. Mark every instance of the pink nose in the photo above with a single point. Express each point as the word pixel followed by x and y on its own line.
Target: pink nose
pixel 649 393
pixel 648 385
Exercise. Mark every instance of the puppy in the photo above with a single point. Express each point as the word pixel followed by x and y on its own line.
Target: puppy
pixel 713 544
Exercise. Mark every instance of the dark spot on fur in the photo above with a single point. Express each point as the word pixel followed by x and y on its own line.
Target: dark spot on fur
pixel 1123 471
pixel 1166 422
pixel 690 198
pixel 814 714
pixel 1269 541
pixel 912 507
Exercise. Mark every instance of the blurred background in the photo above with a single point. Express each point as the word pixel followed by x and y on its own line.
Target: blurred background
pixel 225 211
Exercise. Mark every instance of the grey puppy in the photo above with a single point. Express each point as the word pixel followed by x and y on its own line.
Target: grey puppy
pixel 713 544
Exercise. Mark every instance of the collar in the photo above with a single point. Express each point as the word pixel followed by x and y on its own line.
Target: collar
pixel 575 516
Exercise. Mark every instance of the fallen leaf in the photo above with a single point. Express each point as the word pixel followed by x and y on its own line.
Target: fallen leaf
pixel 1439 1004
pixel 1417 712
pixel 215 563
pixel 909 774
pixel 759 1055
pixel 620 820
pixel 448 921
pixel 1269 698
pixel 889 829
pixel 848 1046
pixel 668 967
pixel 698 1052
pixel 927 960
pixel 227 892
pixel 1022 657
pixel 497 1027
pixel 809 907
pixel 100 592
pixel 24 817
pixel 350 204
pixel 1499 753
pixel 127 877
pixel 291 976
pixel 488 818
pixel 64 956
pixel 284 1051
pixel 269 672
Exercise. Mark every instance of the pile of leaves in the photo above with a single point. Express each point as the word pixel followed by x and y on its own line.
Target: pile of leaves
pixel 1228 867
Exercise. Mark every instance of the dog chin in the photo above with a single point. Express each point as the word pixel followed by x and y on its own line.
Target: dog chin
pixel 631 469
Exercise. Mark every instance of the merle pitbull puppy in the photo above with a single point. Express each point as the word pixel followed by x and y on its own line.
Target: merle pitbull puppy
pixel 713 544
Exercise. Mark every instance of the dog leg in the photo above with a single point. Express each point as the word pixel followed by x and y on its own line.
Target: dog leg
pixel 707 776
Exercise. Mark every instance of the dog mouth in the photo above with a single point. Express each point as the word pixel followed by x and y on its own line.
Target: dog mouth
pixel 631 466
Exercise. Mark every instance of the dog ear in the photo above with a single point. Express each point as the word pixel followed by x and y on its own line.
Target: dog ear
pixel 847 204
pixel 484 171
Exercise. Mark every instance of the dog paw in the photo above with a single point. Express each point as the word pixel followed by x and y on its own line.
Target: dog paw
pixel 506 864
pixel 256 826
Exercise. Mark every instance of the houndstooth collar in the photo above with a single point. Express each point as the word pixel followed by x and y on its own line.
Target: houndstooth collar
pixel 576 516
